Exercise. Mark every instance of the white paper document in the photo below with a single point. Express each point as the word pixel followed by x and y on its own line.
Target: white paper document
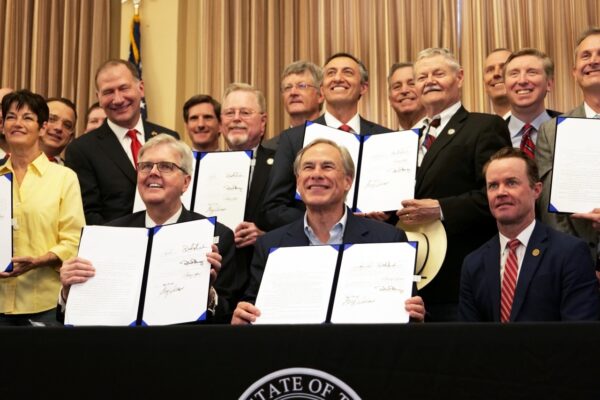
pixel 296 285
pixel 388 171
pixel 350 141
pixel 177 279
pixel 374 282
pixel 222 186
pixel 6 222
pixel 575 183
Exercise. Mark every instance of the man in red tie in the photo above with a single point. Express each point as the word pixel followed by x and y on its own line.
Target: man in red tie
pixel 586 71
pixel 345 81
pixel 105 159
pixel 528 77
pixel 529 271
pixel 449 184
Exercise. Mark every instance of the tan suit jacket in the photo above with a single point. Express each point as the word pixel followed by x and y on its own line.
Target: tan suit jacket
pixel 544 155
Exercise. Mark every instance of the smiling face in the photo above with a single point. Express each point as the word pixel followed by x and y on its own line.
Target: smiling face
pixel 21 128
pixel 403 92
pixel 162 189
pixel 511 196
pixel 526 84
pixel 493 78
pixel 120 94
pixel 342 82
pixel 60 129
pixel 203 127
pixel 438 84
pixel 321 180
pixel 587 66
pixel 243 122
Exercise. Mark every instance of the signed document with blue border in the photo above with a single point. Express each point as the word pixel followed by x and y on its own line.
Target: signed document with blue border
pixel 350 283
pixel 575 186
pixel 385 166
pixel 221 186
pixel 6 222
pixel 155 276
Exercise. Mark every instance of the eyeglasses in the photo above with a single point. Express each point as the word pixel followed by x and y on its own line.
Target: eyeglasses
pixel 164 167
pixel 299 86
pixel 244 113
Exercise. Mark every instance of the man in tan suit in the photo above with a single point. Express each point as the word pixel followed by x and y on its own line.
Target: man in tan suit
pixel 586 72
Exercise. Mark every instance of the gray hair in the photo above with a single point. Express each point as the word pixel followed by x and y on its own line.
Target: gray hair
pixel 438 51
pixel 184 151
pixel 301 66
pixel 244 87
pixel 347 163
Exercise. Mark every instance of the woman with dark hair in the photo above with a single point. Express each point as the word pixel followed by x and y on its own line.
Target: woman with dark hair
pixel 47 216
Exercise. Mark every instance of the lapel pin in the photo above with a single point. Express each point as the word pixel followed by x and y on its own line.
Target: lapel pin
pixel 270 161
pixel 451 132
pixel 535 252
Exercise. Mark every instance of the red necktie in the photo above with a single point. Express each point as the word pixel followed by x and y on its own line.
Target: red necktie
pixel 429 138
pixel 527 144
pixel 345 128
pixel 509 281
pixel 135 145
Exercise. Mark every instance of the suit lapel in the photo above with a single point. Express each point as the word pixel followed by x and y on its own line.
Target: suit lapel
pixel 529 267
pixel 578 111
pixel 295 235
pixel 455 124
pixel 354 232
pixel 259 179
pixel 110 145
pixel 492 275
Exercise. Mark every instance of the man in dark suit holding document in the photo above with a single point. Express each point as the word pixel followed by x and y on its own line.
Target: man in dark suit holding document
pixel 324 174
pixel 163 177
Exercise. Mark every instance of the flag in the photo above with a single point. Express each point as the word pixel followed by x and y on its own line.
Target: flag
pixel 135 55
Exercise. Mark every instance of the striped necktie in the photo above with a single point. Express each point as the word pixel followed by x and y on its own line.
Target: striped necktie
pixel 527 144
pixel 509 280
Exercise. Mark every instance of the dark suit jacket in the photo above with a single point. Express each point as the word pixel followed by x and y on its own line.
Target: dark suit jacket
pixel 358 230
pixel 106 175
pixel 281 206
pixel 256 194
pixel 451 172
pixel 559 284
pixel 225 278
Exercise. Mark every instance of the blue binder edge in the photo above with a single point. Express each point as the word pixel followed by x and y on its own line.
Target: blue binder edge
pixel 347 245
pixel 196 154
pixel 416 130
pixel 297 196
pixel 154 230
pixel 202 317
pixel 212 220
pixel 413 244
pixel 551 208
pixel 8 176
pixel 309 123
pixel 364 138
pixel 272 249
pixel 559 120
pixel 248 153
pixel 9 267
